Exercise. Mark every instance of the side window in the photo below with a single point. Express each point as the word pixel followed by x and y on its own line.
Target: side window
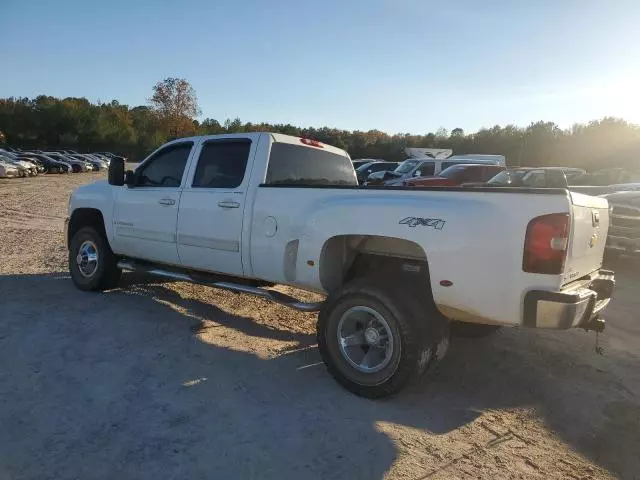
pixel 165 168
pixel 426 169
pixel 535 179
pixel 469 174
pixel 222 164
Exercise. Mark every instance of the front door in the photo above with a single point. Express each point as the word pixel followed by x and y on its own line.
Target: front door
pixel 212 207
pixel 146 213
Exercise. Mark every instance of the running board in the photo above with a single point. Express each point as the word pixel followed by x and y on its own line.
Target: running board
pixel 281 298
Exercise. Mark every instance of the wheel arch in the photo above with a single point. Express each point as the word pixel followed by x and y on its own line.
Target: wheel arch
pixel 86 217
pixel 344 257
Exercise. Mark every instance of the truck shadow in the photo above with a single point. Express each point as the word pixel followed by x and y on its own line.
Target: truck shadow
pixel 138 383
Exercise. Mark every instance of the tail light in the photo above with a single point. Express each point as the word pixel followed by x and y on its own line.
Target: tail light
pixel 311 143
pixel 545 245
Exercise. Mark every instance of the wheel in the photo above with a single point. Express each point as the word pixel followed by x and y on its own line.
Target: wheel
pixel 371 341
pixel 92 264
pixel 472 330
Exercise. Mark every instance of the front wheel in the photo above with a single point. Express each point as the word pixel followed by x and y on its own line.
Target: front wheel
pixel 370 341
pixel 92 264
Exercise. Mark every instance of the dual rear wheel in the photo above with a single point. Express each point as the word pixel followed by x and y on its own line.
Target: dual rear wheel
pixel 374 339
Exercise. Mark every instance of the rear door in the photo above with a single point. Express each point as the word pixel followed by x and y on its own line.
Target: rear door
pixel 212 206
pixel 590 223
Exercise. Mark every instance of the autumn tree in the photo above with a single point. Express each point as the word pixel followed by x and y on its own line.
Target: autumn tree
pixel 174 101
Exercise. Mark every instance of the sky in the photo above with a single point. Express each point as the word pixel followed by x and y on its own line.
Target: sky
pixel 393 65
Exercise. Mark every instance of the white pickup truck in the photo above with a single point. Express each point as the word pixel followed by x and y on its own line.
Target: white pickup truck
pixel 398 267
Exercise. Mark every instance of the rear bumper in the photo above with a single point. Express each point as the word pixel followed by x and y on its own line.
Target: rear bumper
pixel 580 304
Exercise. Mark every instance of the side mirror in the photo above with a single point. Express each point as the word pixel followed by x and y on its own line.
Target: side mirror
pixel 417 173
pixel 116 173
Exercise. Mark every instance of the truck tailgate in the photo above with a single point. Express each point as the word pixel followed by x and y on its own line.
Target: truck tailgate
pixel 590 222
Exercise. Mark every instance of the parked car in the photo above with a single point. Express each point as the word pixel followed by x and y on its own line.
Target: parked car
pixel 363 171
pixel 422 167
pixel 358 162
pixel 26 169
pixel 8 170
pixel 52 165
pixel 10 149
pixel 606 176
pixel 605 189
pixel 457 175
pixel 570 172
pixel 111 156
pixel 105 158
pixel 528 177
pixel 624 225
pixel 27 158
pixel 96 162
pixel 396 266
pixel 76 165
pixel 625 187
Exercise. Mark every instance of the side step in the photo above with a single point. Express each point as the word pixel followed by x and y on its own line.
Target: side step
pixel 185 276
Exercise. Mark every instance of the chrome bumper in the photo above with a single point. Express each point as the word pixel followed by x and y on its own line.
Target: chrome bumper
pixel 577 305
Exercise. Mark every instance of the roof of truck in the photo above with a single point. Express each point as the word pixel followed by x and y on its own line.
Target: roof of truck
pixel 278 137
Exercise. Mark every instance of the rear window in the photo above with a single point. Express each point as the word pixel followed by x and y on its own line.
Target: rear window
pixel 298 165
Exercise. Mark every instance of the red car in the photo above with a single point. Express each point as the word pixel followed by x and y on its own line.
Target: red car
pixel 457 175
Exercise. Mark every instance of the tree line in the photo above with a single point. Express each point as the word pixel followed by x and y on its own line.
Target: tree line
pixel 76 123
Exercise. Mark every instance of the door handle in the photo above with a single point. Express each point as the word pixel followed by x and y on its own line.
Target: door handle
pixel 167 201
pixel 228 204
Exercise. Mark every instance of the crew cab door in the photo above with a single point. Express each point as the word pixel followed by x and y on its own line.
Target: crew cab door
pixel 212 206
pixel 146 212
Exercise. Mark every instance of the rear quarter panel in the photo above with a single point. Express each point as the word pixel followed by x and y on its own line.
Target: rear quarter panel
pixel 475 239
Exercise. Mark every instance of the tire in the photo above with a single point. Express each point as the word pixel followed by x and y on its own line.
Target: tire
pixel 409 349
pixel 472 330
pixel 100 275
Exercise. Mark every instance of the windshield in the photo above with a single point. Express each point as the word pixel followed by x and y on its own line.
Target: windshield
pixel 364 167
pixel 406 166
pixel 508 177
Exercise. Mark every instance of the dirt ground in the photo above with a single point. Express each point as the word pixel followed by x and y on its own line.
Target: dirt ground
pixel 171 380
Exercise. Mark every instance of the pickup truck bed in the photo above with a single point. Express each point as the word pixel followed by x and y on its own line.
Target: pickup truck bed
pixel 397 265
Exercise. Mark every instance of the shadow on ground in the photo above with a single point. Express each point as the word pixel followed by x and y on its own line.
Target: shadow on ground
pixel 119 385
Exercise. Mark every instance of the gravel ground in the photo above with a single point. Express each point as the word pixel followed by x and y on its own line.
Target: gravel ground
pixel 171 380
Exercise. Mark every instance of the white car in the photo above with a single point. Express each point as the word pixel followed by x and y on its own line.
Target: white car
pixel 398 267
pixel 24 168
pixel 8 170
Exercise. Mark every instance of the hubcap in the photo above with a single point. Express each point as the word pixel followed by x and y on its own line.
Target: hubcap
pixel 87 258
pixel 365 339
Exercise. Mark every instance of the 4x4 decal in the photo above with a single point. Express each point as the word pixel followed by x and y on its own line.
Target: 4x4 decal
pixel 435 223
